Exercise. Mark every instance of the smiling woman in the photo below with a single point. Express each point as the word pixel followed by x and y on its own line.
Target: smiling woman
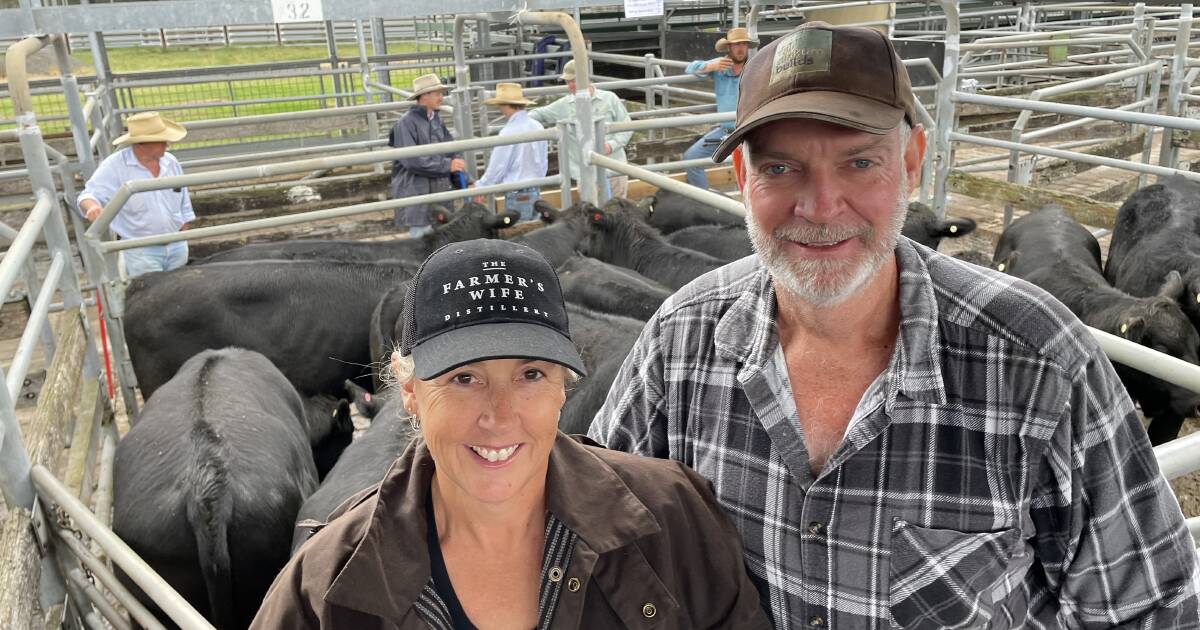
pixel 524 527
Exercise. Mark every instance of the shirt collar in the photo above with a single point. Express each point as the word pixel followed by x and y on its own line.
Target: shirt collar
pixel 131 160
pixel 392 559
pixel 747 331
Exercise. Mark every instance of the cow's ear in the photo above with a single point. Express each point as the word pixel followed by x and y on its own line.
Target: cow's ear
pixel 954 228
pixel 1132 328
pixel 504 219
pixel 1172 286
pixel 646 204
pixel 1006 264
pixel 441 217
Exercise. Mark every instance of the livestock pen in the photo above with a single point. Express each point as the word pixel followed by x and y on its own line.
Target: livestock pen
pixel 1010 47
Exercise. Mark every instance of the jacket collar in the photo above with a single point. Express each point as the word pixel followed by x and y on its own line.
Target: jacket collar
pixel 747 333
pixel 387 570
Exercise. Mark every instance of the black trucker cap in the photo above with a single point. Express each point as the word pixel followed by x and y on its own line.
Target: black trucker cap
pixel 485 299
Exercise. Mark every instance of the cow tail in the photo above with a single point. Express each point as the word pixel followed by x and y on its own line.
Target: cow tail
pixel 210 509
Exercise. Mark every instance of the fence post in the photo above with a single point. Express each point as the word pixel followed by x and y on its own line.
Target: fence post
pixel 945 108
pixel 1168 153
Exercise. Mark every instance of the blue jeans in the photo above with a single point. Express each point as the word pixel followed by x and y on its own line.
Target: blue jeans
pixel 521 201
pixel 704 147
pixel 143 260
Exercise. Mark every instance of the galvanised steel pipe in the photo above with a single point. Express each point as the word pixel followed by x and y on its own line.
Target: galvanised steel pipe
pixel 18 76
pixel 703 196
pixel 686 109
pixel 261 119
pixel 1077 157
pixel 156 588
pixel 1179 456
pixel 672 121
pixel 33 328
pixel 96 231
pixel 1138 118
pixel 18 251
pixel 331 213
pixel 110 581
pixel 266 155
pixel 1032 43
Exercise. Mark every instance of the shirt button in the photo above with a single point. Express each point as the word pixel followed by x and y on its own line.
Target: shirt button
pixel 648 610
pixel 555 574
pixel 573 585
pixel 816 529
pixel 816 621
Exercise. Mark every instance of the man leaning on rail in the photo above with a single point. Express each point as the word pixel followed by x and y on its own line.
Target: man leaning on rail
pixel 902 439
pixel 143 156
pixel 726 73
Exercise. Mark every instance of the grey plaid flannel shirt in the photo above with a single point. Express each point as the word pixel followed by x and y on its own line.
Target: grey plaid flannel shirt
pixel 994 476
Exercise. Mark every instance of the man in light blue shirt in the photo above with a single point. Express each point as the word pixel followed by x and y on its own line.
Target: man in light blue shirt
pixel 726 73
pixel 605 106
pixel 516 162
pixel 143 156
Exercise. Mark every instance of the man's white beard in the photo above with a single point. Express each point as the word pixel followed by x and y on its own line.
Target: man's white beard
pixel 826 282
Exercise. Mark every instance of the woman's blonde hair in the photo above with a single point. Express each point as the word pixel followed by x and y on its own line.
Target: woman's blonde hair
pixel 402 370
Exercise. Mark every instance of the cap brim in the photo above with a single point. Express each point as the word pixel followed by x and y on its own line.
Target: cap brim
pixel 481 342
pixel 838 108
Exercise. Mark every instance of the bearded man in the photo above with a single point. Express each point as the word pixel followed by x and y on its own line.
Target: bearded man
pixel 902 439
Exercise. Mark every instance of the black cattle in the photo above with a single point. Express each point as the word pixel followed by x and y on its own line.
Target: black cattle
pixel 603 341
pixel 565 231
pixel 310 318
pixel 727 242
pixel 669 211
pixel 471 222
pixel 924 227
pixel 361 466
pixel 330 429
pixel 973 257
pixel 619 235
pixel 610 289
pixel 1051 250
pixel 207 484
pixel 367 403
pixel 1158 231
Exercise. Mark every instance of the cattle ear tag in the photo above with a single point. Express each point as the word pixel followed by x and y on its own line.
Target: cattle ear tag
pixel 1198 298
pixel 507 220
pixel 1000 267
pixel 334 414
pixel 1124 328
pixel 596 218
pixel 953 229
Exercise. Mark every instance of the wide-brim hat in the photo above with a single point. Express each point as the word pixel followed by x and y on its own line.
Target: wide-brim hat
pixel 485 299
pixel 150 127
pixel 508 94
pixel 427 83
pixel 735 36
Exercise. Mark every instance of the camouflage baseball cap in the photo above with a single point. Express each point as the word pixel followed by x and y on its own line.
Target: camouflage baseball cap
pixel 847 75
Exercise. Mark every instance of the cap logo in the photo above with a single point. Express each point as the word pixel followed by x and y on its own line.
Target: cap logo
pixel 802 52
pixel 494 289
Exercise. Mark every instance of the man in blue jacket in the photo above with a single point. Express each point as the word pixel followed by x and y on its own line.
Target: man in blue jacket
pixel 726 73
pixel 428 173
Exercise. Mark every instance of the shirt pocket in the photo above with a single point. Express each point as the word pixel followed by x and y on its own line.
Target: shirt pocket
pixel 942 578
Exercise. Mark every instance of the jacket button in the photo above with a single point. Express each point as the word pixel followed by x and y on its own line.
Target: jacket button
pixel 816 621
pixel 815 528
pixel 573 585
pixel 555 574
pixel 648 611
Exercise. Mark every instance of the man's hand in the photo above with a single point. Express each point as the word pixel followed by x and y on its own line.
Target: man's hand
pixel 91 209
pixel 720 63
pixel 457 164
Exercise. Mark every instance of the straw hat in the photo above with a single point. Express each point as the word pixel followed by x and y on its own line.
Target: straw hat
pixel 508 94
pixel 735 36
pixel 425 84
pixel 150 127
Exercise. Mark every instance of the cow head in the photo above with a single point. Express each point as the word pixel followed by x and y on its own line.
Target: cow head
pixel 548 213
pixel 365 402
pixel 616 230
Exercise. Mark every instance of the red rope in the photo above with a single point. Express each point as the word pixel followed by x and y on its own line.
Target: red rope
pixel 104 345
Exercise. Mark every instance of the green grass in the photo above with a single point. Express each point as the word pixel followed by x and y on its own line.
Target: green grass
pixel 126 60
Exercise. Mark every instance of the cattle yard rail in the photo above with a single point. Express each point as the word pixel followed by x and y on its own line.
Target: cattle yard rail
pixel 51 541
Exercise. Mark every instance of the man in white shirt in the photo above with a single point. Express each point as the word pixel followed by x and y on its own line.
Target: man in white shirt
pixel 516 162
pixel 143 156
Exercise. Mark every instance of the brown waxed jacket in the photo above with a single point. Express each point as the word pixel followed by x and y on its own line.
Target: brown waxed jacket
pixel 654 550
